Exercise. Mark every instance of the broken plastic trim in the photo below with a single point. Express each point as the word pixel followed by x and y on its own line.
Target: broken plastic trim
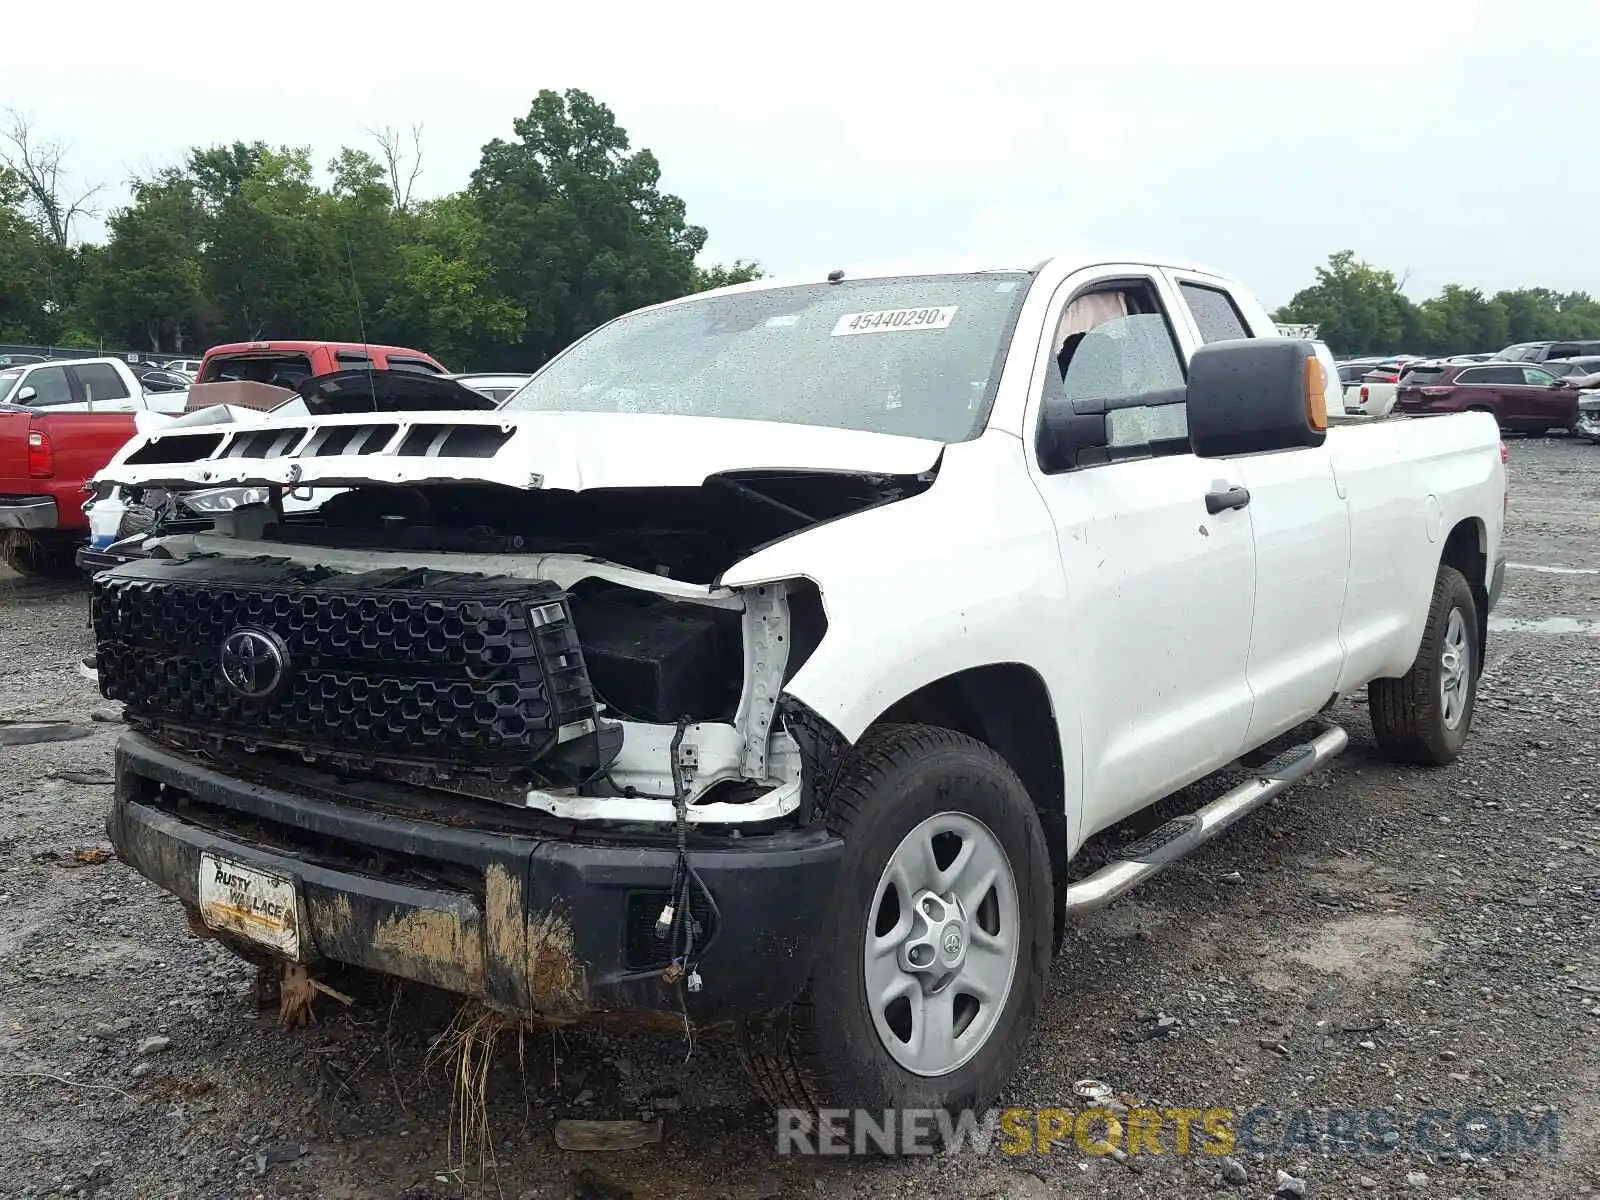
pixel 773 805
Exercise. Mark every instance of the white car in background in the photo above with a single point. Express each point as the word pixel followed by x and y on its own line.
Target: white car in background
pixel 84 385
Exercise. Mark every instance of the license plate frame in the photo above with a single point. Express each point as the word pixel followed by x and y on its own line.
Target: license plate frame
pixel 262 906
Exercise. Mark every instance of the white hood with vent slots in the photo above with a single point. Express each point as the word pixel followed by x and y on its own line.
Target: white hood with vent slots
pixel 561 450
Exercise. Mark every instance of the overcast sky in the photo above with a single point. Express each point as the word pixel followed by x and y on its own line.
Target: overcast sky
pixel 1448 142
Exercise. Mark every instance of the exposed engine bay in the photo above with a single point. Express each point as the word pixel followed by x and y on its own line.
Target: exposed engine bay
pixel 565 652
pixel 689 534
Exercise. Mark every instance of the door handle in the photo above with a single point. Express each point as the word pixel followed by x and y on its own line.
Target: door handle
pixel 1236 497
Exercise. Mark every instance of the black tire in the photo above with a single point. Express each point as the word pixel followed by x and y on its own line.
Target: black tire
pixel 823 1050
pixel 1408 714
pixel 41 558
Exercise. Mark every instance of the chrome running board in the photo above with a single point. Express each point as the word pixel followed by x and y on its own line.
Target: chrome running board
pixel 1183 835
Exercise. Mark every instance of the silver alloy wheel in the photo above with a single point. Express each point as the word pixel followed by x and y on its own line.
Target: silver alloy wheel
pixel 943 932
pixel 1455 669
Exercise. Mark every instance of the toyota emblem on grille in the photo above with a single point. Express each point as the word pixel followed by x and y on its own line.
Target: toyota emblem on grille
pixel 254 663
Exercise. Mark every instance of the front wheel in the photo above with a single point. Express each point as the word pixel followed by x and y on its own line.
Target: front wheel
pixel 1424 716
pixel 931 962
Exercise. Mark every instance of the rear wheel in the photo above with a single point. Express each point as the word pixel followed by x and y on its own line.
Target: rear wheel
pixel 931 963
pixel 1424 716
pixel 41 557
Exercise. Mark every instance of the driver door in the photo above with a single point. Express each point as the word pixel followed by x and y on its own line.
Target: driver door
pixel 1160 589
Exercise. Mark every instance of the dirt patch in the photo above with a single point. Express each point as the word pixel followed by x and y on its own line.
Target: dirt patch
pixel 1360 950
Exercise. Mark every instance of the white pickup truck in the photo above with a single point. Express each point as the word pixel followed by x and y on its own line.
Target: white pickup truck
pixel 767 660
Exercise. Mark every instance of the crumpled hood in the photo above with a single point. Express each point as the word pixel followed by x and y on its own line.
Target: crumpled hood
pixel 566 450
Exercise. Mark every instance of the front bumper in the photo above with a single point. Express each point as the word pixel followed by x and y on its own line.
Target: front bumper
pixel 28 512
pixel 93 560
pixel 525 920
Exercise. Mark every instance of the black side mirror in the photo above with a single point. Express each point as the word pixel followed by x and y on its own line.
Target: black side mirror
pixel 1067 428
pixel 1256 394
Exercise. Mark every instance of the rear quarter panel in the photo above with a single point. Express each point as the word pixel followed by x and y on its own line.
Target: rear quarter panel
pixel 14 451
pixel 1408 483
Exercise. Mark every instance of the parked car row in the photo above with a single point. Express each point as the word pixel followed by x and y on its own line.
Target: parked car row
pixel 1523 397
pixel 1529 388
pixel 1539 352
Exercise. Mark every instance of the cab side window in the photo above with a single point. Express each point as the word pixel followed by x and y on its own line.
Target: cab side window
pixel 50 385
pixel 1116 343
pixel 415 365
pixel 1214 312
pixel 100 382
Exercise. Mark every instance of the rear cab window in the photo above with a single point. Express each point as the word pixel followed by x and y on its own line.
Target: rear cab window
pixel 285 368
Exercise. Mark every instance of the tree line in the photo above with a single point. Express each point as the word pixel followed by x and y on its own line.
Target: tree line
pixel 562 226
pixel 1360 310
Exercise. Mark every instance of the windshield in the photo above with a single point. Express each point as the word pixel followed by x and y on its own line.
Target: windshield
pixel 916 355
pixel 8 380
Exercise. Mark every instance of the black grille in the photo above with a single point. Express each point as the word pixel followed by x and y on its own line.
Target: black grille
pixel 416 666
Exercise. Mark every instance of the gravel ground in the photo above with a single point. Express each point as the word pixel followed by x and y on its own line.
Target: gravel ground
pixel 1378 938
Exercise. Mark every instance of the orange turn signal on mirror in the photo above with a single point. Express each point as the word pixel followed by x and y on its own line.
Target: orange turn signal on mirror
pixel 1316 394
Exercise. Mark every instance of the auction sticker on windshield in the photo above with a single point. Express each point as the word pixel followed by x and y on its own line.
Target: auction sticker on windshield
pixel 254 904
pixel 892 320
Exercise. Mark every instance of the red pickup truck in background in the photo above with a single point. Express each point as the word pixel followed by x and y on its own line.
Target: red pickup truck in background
pixel 47 456
pixel 45 459
pixel 289 364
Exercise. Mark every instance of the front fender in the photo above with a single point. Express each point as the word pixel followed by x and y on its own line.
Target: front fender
pixel 966 574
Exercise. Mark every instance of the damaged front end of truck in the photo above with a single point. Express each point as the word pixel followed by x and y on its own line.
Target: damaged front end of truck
pixel 486 717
